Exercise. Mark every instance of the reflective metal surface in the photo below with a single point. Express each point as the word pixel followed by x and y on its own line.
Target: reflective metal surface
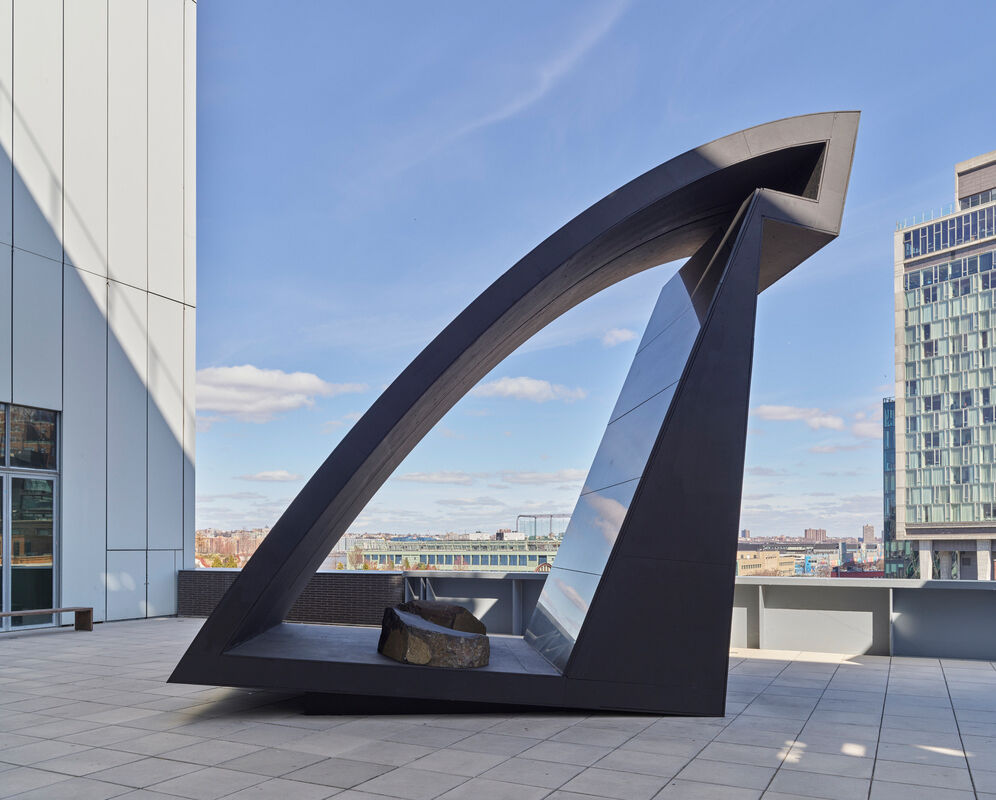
pixel 594 526
pixel 625 447
pixel 615 473
pixel 560 612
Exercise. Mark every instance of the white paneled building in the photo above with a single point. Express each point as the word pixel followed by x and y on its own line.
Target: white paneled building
pixel 97 298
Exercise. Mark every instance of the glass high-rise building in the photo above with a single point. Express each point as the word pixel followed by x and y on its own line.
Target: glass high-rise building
pixel 945 481
pixel 899 556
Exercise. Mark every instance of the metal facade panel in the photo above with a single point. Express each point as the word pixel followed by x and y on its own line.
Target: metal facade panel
pixel 84 441
pixel 189 152
pixel 125 584
pixel 166 176
pixel 127 145
pixel 127 416
pixel 162 567
pixel 37 152
pixel 36 348
pixel 189 432
pixel 85 133
pixel 165 432
pixel 977 180
pixel 6 119
pixel 6 310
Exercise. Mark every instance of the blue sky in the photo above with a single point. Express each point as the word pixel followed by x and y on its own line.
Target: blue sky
pixel 366 169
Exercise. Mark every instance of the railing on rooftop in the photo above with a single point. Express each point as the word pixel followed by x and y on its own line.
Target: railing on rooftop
pixel 876 616
pixel 926 216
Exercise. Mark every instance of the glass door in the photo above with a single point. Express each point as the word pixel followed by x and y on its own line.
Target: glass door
pixel 32 553
pixel 29 517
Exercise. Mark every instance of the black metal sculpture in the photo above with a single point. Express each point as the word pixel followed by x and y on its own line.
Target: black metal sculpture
pixel 636 612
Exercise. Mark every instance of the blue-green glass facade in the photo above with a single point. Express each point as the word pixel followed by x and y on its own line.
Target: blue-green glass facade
pixel 900 557
pixel 949 334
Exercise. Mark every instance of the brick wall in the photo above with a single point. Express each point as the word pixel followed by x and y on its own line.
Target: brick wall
pixel 344 598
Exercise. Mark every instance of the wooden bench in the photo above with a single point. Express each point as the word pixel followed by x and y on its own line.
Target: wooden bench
pixel 84 616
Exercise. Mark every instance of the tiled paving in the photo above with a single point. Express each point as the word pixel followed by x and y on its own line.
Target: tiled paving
pixel 89 716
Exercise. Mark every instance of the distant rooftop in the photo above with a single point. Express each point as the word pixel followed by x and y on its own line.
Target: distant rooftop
pixel 975 184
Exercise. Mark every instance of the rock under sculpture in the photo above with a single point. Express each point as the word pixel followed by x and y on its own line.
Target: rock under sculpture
pixel 449 615
pixel 435 635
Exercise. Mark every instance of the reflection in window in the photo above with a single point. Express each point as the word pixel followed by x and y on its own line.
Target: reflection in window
pixel 32 438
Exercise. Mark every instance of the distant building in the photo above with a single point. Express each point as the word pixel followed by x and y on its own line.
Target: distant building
pixel 945 392
pixel 900 559
pixel 765 562
pixel 815 535
pixel 868 534
pixel 522 555
pixel 819 564
pixel 745 534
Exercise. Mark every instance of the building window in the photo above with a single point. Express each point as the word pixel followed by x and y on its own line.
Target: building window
pixel 29 483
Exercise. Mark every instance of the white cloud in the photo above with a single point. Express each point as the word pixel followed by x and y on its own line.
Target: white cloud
pixel 867 429
pixel 251 394
pixel 815 418
pixel 617 336
pixel 271 476
pixel 534 389
pixel 609 515
pixel 539 478
pixel 444 478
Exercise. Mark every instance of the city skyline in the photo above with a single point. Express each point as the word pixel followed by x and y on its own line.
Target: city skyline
pixel 457 134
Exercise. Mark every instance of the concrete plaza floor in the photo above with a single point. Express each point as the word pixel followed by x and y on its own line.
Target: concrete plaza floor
pixel 89 716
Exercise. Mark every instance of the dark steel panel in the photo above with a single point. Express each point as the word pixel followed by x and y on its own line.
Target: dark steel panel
pixel 689 493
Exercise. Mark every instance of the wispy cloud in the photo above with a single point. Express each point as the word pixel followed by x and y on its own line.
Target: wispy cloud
pixel 541 478
pixel 502 480
pixel 552 72
pixel 271 476
pixel 617 336
pixel 477 503
pixel 534 389
pixel 815 418
pixel 764 472
pixel 542 79
pixel 838 448
pixel 867 429
pixel 346 419
pixel 250 394
pixel 443 478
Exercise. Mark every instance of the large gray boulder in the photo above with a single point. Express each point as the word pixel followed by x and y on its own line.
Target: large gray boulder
pixel 410 639
pixel 449 615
